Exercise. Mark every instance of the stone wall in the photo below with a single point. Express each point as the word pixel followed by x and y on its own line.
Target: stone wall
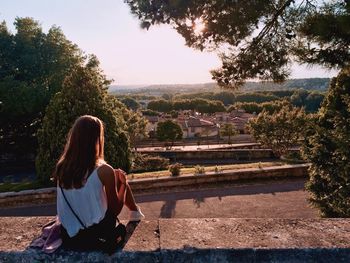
pixel 235 154
pixel 197 240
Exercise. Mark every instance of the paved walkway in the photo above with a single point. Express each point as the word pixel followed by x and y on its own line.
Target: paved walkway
pixel 282 199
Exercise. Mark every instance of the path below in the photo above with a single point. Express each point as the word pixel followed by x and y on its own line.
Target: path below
pixel 276 199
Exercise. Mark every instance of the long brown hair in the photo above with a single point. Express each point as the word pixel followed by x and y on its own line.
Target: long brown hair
pixel 82 153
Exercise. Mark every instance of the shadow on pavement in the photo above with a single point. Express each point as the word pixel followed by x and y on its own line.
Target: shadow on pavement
pixel 168 209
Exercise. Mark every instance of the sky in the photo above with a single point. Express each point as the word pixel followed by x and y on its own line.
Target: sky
pixel 128 54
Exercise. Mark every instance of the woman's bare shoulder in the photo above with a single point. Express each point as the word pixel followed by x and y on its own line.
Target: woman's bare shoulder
pixel 105 173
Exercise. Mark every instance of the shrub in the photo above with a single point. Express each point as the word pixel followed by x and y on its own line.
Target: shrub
pixel 84 92
pixel 327 148
pixel 198 170
pixel 175 169
pixel 279 131
pixel 144 163
pixel 217 170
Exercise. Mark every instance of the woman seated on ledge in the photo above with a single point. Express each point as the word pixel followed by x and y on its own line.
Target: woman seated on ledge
pixel 90 193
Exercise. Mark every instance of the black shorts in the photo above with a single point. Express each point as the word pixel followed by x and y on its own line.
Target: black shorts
pixel 101 236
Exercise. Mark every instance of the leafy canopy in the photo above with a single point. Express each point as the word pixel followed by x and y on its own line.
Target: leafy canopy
pixel 327 148
pixel 84 92
pixel 256 39
pixel 228 130
pixel 281 130
pixel 33 66
pixel 169 131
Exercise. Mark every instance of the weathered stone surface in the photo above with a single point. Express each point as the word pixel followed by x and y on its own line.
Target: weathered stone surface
pixel 226 233
pixel 197 240
pixel 143 236
pixel 16 233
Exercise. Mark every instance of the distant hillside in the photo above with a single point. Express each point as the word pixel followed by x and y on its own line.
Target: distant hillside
pixel 319 84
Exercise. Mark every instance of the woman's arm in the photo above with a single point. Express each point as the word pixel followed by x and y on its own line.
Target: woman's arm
pixel 121 183
pixel 115 200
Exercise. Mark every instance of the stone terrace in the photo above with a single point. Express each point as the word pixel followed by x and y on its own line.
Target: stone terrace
pixel 197 240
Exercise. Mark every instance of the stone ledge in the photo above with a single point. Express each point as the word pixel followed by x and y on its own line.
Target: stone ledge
pixel 315 255
pixel 139 185
pixel 197 240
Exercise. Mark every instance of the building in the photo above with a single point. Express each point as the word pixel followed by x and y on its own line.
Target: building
pixel 193 127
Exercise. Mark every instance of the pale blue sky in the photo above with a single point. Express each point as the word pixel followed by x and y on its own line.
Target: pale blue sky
pixel 127 54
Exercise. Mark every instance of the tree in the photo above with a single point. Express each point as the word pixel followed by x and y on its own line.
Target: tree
pixel 327 148
pixel 150 113
pixel 249 107
pixel 206 131
pixel 33 66
pixel 313 101
pixel 167 96
pixel 257 39
pixel 84 92
pixel 298 98
pixel 279 131
pixel 228 130
pixel 135 126
pixel 160 105
pixel 131 103
pixel 169 131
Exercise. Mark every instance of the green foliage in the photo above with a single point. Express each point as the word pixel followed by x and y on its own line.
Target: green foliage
pixel 255 97
pixel 311 100
pixel 253 107
pixel 255 101
pixel 167 96
pixel 160 105
pixel 279 131
pixel 249 107
pixel 150 113
pixel 175 169
pixel 145 163
pixel 135 126
pixel 131 103
pixel 228 97
pixel 84 92
pixel 169 131
pixel 217 170
pixel 225 97
pixel 257 39
pixel 199 170
pixel 33 66
pixel 328 27
pixel 200 105
pixel 228 130
pixel 327 148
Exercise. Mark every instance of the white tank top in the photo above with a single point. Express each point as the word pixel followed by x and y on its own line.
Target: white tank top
pixel 88 202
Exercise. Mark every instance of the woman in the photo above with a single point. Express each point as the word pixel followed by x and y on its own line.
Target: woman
pixel 90 193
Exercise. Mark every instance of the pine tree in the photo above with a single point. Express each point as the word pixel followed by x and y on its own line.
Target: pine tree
pixel 329 152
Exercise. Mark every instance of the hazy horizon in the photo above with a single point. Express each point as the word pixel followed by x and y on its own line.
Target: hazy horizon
pixel 204 83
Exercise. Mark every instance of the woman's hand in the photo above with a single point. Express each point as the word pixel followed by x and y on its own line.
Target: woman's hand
pixel 121 175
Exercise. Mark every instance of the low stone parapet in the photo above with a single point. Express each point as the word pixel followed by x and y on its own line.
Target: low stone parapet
pixel 208 154
pixel 197 240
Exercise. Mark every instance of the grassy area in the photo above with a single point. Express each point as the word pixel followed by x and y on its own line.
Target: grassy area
pixel 15 187
pixel 191 169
